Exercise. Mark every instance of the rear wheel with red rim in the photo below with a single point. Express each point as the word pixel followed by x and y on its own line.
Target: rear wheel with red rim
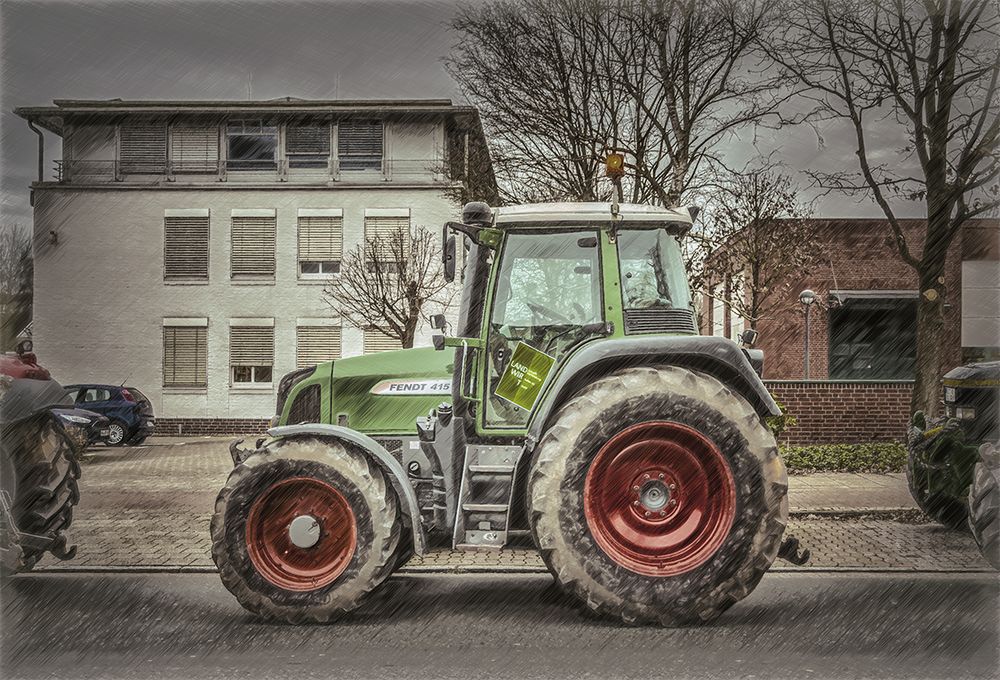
pixel 656 494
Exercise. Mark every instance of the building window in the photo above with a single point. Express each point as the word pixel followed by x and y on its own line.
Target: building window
pixel 377 341
pixel 251 351
pixel 142 149
pixel 321 242
pixel 873 339
pixel 718 312
pixel 315 344
pixel 359 145
pixel 389 228
pixel 185 352
pixel 194 149
pixel 253 242
pixel 251 145
pixel 307 146
pixel 185 245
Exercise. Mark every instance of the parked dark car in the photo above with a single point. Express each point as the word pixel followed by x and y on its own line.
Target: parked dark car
pixel 128 410
pixel 83 427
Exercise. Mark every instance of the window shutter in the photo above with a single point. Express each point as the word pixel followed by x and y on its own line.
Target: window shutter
pixel 316 344
pixel 307 139
pixel 359 145
pixel 251 345
pixel 143 149
pixel 185 355
pixel 194 149
pixel 185 248
pixel 321 238
pixel 385 229
pixel 253 241
pixel 376 341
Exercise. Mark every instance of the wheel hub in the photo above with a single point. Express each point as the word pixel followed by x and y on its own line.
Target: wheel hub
pixel 304 531
pixel 659 498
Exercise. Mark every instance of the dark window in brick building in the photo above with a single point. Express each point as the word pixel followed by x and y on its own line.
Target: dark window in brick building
pixel 873 339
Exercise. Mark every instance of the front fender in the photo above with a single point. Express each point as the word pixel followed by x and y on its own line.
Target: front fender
pixel 389 465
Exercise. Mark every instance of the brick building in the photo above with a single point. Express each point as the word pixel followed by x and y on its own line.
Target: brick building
pixel 862 330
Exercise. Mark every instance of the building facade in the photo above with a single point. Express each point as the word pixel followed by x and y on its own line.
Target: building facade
pixel 862 326
pixel 183 247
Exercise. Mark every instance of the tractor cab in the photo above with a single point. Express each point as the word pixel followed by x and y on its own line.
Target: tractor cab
pixel 542 281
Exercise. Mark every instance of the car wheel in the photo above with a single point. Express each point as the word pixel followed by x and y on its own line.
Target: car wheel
pixel 116 433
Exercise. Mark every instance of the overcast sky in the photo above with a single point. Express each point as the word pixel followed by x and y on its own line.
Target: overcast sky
pixel 205 50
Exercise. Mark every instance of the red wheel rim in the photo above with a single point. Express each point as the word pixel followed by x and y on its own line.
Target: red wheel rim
pixel 269 540
pixel 659 498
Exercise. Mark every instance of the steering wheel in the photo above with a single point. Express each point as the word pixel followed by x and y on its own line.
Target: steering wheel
pixel 542 310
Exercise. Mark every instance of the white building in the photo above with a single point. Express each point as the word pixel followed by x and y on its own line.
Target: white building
pixel 183 246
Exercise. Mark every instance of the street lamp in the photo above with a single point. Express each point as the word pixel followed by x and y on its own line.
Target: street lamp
pixel 807 298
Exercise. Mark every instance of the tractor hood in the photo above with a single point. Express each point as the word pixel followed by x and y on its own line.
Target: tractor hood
pixel 384 393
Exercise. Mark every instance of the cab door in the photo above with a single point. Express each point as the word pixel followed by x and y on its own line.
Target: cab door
pixel 545 300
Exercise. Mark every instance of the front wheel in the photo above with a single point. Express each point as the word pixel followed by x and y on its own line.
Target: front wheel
pixel 657 495
pixel 117 431
pixel 305 531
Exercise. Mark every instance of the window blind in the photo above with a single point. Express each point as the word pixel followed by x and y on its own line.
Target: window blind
pixel 253 242
pixel 185 248
pixel 185 355
pixel 308 139
pixel 251 345
pixel 194 149
pixel 316 344
pixel 376 341
pixel 386 229
pixel 359 145
pixel 321 238
pixel 143 149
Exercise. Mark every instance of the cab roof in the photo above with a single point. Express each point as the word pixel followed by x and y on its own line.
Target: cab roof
pixel 544 214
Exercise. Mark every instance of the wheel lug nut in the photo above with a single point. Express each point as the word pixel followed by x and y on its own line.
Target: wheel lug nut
pixel 672 487
pixel 673 501
pixel 662 513
pixel 647 513
pixel 635 488
pixel 635 502
pixel 662 475
pixel 645 476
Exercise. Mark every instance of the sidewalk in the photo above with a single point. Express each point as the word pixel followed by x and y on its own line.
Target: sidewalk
pixel 150 507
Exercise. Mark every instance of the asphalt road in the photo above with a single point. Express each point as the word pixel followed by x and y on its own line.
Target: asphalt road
pixel 500 626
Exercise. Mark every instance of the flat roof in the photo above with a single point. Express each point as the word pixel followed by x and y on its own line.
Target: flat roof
pixel 52 117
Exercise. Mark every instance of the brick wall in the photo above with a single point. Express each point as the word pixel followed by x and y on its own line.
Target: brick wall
pixel 176 427
pixel 830 412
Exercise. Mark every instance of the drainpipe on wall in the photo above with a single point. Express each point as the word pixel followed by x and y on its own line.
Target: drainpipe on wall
pixel 41 158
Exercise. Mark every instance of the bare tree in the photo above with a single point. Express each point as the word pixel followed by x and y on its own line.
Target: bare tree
pixel 561 82
pixel 764 238
pixel 930 68
pixel 16 266
pixel 387 282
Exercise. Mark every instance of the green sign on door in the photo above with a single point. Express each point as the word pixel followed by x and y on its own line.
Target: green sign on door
pixel 522 380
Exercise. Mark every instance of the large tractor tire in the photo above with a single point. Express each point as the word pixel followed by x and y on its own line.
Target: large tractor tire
pixel 938 472
pixel 40 474
pixel 984 505
pixel 305 531
pixel 657 495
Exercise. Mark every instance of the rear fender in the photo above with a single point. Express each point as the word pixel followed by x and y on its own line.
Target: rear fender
pixel 377 453
pixel 718 357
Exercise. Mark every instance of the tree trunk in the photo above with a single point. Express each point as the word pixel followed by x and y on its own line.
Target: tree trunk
pixel 930 329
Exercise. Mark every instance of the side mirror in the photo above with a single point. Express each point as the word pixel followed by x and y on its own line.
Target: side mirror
pixel 449 259
pixel 438 322
pixel 24 347
pixel 749 337
pixel 438 342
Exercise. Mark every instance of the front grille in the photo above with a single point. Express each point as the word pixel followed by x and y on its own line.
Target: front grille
pixel 660 321
pixel 305 408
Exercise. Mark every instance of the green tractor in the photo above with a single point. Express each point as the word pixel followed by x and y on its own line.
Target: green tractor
pixel 953 467
pixel 574 400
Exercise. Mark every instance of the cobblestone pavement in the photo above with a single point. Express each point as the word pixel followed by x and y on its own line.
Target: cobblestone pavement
pixel 149 507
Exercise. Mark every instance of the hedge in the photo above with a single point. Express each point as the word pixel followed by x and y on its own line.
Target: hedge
pixel 881 457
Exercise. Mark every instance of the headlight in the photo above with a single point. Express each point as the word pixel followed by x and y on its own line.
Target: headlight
pixel 75 419
pixel 949 394
pixel 965 412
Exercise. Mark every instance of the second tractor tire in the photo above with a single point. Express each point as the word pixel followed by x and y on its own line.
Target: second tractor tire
pixel 280 581
pixel 984 508
pixel 585 543
pixel 944 508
